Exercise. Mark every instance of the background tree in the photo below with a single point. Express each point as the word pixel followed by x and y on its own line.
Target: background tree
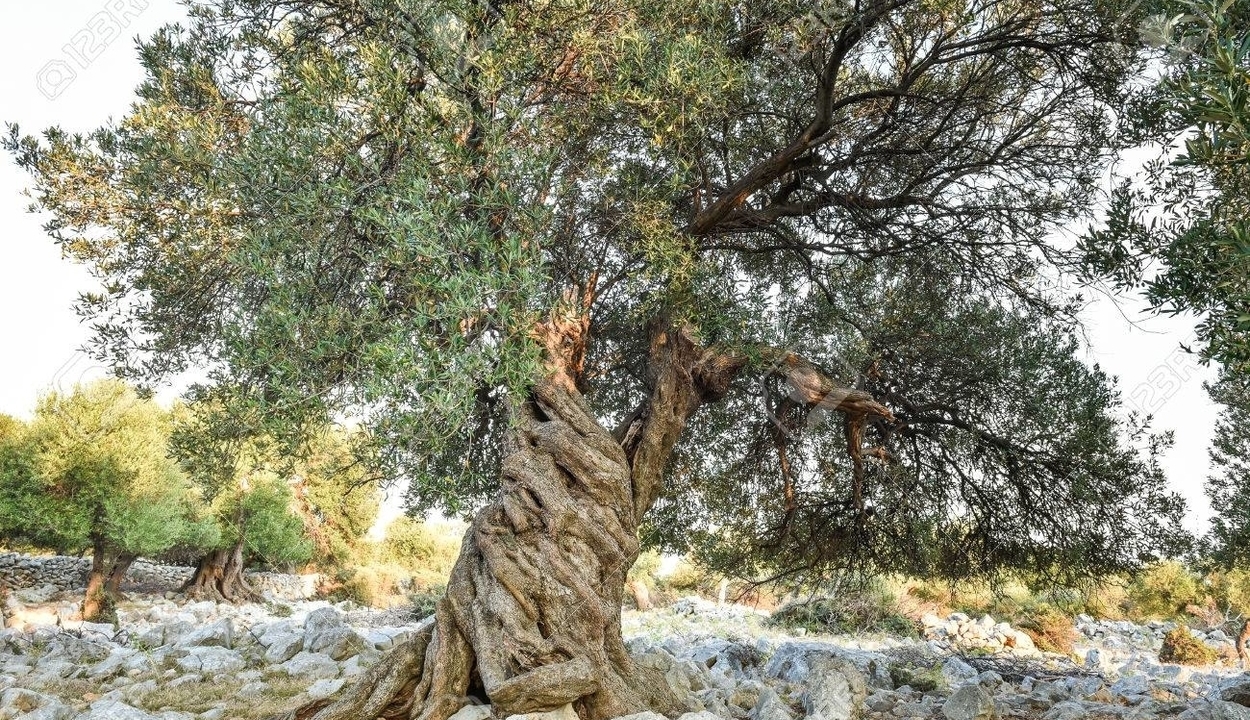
pixel 338 497
pixel 95 473
pixel 252 498
pixel 491 232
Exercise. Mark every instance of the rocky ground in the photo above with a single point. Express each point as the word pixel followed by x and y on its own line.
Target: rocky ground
pixel 202 660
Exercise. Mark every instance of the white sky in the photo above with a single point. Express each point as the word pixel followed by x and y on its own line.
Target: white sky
pixel 43 44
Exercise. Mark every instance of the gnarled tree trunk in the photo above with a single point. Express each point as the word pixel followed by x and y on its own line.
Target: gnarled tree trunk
pixel 219 576
pixel 531 619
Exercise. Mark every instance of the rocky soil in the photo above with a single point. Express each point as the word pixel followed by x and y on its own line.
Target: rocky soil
pixel 202 660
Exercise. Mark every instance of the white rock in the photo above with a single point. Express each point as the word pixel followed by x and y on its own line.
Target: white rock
pixel 339 643
pixel 770 707
pixel 564 713
pixel 217 634
pixel 957 672
pixel 1067 710
pixel 110 709
pixel 324 688
pixel 318 622
pixel 211 660
pixel 472 712
pixel 969 702
pixel 283 647
pixel 836 689
pixel 22 700
pixel 311 665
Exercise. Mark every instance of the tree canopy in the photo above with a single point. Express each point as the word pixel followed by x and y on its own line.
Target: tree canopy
pixel 400 212
pixel 1228 487
pixel 97 473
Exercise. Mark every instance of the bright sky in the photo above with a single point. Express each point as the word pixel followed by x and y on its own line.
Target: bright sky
pixel 72 63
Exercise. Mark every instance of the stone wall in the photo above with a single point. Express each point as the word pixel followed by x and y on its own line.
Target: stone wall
pixel 69 574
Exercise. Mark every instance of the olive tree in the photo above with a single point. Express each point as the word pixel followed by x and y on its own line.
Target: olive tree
pixel 524 246
pixel 92 471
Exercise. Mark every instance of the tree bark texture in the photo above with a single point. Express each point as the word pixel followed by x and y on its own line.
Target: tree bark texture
pixel 219 576
pixel 104 583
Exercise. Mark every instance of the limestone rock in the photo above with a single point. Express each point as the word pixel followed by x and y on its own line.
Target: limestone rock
pixel 211 660
pixel 282 648
pixel 109 709
pixel 969 702
pixel 836 690
pixel 324 688
pixel 770 707
pixel 314 666
pixel 339 643
pixel 472 712
pixel 217 634
pixel 563 713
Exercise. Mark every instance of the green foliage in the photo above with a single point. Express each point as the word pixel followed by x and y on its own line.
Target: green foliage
pixel 871 609
pixel 367 218
pixel 258 514
pixel 924 679
pixel 1178 230
pixel 427 551
pixel 340 500
pixel 370 584
pixel 285 505
pixel 91 470
pixel 281 610
pixel 963 492
pixel 1180 646
pixel 1163 591
pixel 645 568
pixel 1230 591
pixel 425 601
pixel 1228 487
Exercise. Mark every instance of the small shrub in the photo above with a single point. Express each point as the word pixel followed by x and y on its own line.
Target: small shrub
pixel 871 610
pixel 377 586
pixel 425 601
pixel 922 679
pixel 1050 629
pixel 1163 591
pixel 279 609
pixel 1181 647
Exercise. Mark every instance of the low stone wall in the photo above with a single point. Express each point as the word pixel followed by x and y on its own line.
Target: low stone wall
pixel 69 574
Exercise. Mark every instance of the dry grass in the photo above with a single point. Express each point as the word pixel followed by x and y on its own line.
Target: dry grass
pixel 1180 646
pixel 1050 629
pixel 202 696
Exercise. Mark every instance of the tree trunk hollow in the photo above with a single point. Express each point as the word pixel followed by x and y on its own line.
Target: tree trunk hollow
pixel 531 618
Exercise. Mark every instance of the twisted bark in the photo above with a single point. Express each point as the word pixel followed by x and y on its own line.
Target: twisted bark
pixel 219 576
